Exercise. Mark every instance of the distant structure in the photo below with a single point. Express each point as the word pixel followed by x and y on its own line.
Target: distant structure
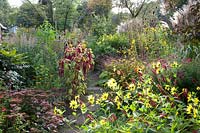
pixel 13 29
pixel 1 29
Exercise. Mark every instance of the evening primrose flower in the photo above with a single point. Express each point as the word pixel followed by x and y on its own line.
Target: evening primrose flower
pixel 133 41
pixel 58 111
pixel 158 64
pixel 83 108
pixel 195 111
pixel 159 70
pixel 138 70
pixel 131 87
pixel 139 85
pixel 102 122
pixel 116 99
pixel 146 91
pixel 189 109
pixel 112 83
pixel 73 104
pixel 167 87
pixel 174 64
pixel 118 105
pixel 77 97
pixel 104 96
pixel 196 101
pixel 189 97
pixel 83 105
pixel 154 65
pixel 173 90
pixel 127 96
pixel 91 99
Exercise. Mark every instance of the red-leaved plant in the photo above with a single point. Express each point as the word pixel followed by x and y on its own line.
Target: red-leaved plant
pixel 28 111
pixel 73 68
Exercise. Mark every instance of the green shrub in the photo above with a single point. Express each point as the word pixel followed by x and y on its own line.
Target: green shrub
pixel 189 76
pixel 46 33
pixel 13 68
pixel 110 44
pixel 44 62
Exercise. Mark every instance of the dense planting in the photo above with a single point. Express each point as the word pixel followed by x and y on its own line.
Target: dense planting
pixel 84 66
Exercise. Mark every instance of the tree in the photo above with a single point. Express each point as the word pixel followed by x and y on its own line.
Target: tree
pixel 4 12
pixel 48 8
pixel 183 16
pixel 100 7
pixel 30 15
pixel 65 13
pixel 134 7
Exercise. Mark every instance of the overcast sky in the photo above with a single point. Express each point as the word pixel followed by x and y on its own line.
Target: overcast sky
pixel 17 3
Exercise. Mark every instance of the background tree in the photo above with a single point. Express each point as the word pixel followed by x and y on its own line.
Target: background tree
pixel 100 7
pixel 65 13
pixel 29 17
pixel 134 7
pixel 4 12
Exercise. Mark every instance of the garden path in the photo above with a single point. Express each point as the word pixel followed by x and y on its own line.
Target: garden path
pixel 93 78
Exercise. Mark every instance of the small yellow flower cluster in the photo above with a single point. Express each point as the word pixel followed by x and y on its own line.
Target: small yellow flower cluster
pixel 172 90
pixel 73 104
pixel 127 96
pixel 91 99
pixel 112 83
pixel 117 101
pixel 131 87
pixel 58 111
pixel 175 64
pixel 157 67
pixel 193 104
pixel 104 96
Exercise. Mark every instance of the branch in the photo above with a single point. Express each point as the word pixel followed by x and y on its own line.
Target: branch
pixel 140 8
pixel 33 6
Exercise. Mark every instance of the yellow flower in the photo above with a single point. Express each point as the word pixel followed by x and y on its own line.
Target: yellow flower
pixel 73 104
pixel 174 64
pixel 91 99
pixel 147 104
pixel 131 87
pixel 116 99
pixel 189 109
pixel 127 96
pixel 167 87
pixel 146 91
pixel 154 65
pixel 138 70
pixel 104 96
pixel 198 88
pixel 58 111
pixel 173 90
pixel 102 122
pixel 189 97
pixel 195 111
pixel 177 113
pixel 158 64
pixel 139 85
pixel 83 106
pixel 77 97
pixel 118 105
pixel 196 101
pixel 112 83
pixel 133 41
